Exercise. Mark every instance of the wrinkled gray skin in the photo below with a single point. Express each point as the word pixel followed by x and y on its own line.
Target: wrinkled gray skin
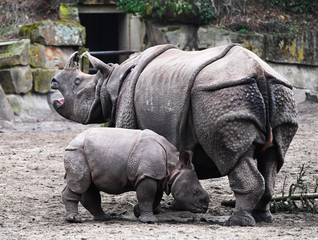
pixel 115 160
pixel 225 104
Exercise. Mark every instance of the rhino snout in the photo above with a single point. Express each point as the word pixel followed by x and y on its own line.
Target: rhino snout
pixel 200 207
pixel 54 84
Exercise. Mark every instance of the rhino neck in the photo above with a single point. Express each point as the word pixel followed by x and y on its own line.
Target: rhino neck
pixel 173 173
pixel 95 114
pixel 107 104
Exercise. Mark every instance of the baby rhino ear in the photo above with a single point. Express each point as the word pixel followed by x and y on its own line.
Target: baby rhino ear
pixel 97 64
pixel 185 158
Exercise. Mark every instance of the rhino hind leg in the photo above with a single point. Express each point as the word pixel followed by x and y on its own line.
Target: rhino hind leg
pixel 91 200
pixel 267 165
pixel 248 186
pixel 70 200
pixel 146 194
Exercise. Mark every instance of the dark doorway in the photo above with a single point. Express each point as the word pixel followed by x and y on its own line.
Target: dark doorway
pixel 101 33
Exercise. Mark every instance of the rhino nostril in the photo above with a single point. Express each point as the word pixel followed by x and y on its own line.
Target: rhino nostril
pixel 54 84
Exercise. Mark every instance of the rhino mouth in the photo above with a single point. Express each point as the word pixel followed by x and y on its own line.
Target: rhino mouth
pixel 58 103
pixel 199 210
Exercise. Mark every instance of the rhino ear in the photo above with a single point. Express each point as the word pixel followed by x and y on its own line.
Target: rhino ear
pixel 72 62
pixel 97 64
pixel 185 159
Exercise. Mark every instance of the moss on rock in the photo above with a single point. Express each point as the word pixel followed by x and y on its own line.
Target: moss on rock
pixel 55 33
pixel 14 53
pixel 42 79
pixel 68 12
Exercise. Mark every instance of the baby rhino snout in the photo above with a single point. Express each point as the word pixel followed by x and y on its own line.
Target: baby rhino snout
pixel 203 205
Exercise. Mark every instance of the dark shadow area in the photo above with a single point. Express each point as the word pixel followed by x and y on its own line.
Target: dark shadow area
pixel 101 34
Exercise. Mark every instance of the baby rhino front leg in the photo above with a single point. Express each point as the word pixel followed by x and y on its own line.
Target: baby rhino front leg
pixel 146 193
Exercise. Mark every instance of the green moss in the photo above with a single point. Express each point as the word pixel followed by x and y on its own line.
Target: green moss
pixel 292 48
pixel 6 55
pixel 35 52
pixel 67 11
pixel 15 109
pixel 300 54
pixel 27 29
pixel 68 21
pixel 42 79
pixel 64 11
pixel 104 124
pixel 16 47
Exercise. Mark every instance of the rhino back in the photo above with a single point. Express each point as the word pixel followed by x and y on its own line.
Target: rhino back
pixel 162 95
pixel 235 104
pixel 107 152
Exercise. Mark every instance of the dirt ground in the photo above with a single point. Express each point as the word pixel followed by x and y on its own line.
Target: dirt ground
pixel 31 181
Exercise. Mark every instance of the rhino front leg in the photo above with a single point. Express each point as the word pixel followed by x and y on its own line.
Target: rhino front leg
pixel 70 200
pixel 267 165
pixel 92 202
pixel 156 206
pixel 146 194
pixel 248 186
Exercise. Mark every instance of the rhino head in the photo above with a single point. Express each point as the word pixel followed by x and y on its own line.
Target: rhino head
pixel 185 187
pixel 81 100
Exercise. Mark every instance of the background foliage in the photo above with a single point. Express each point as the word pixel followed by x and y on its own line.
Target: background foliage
pixel 16 13
pixel 237 15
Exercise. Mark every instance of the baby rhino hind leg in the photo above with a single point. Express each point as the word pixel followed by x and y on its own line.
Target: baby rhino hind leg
pixel 78 181
pixel 91 200
pixel 70 200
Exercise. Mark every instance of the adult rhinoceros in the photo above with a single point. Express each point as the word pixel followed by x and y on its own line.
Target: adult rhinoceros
pixel 225 104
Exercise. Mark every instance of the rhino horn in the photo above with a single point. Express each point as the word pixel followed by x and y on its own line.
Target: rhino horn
pixel 97 64
pixel 73 61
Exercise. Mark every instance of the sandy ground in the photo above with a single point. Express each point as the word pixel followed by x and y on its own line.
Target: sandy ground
pixel 31 181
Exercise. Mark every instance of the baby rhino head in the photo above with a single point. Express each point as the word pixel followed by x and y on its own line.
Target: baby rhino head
pixel 186 189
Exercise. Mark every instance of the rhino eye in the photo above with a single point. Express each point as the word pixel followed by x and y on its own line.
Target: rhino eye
pixel 77 81
pixel 195 192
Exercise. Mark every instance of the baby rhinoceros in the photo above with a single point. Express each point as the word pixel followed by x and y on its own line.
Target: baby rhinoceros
pixel 115 161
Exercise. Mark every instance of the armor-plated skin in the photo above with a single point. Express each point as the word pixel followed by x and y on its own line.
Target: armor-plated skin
pixel 225 104
pixel 115 161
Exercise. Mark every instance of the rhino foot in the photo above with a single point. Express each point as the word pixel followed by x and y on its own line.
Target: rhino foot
pixel 240 218
pixel 101 218
pixel 148 219
pixel 73 218
pixel 263 216
pixel 157 210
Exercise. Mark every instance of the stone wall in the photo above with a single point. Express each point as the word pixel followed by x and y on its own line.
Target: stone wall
pixel 293 55
pixel 28 65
